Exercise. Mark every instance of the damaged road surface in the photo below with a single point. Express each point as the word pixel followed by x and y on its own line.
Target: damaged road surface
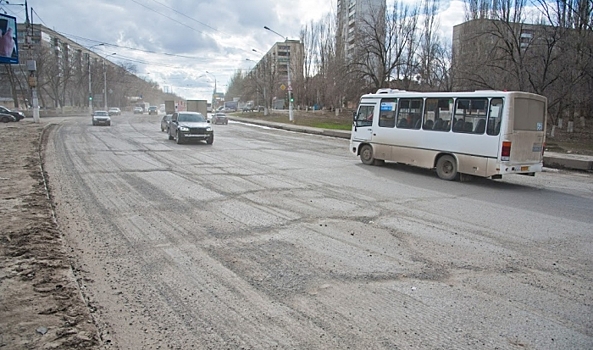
pixel 274 239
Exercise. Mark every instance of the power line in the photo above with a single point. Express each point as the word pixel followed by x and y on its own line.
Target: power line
pixel 126 47
pixel 191 18
pixel 153 10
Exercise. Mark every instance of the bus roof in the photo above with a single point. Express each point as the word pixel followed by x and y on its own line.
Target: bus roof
pixel 387 93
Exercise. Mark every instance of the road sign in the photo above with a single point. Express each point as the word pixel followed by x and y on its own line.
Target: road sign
pixel 282 87
pixel 289 87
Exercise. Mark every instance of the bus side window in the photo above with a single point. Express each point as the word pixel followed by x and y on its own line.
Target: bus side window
pixel 437 114
pixel 469 112
pixel 409 114
pixel 388 109
pixel 494 117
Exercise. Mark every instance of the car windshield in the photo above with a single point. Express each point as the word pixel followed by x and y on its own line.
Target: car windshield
pixel 187 117
pixel 101 113
pixel 220 115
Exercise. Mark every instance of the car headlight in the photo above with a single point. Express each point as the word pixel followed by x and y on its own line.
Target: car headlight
pixel 183 128
pixel 209 128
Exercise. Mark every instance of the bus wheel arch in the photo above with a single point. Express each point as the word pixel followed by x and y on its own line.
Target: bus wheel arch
pixel 446 167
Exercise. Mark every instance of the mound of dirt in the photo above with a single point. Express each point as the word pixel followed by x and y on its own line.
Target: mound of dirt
pixel 40 303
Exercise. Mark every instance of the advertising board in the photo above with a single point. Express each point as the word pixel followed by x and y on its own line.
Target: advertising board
pixel 9 52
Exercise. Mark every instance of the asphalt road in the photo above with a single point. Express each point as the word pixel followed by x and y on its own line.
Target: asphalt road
pixel 275 239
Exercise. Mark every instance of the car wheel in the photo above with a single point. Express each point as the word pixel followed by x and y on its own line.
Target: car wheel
pixel 210 140
pixel 4 120
pixel 447 168
pixel 109 124
pixel 178 139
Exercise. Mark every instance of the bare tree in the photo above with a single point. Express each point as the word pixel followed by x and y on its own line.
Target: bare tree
pixel 433 70
pixel 551 56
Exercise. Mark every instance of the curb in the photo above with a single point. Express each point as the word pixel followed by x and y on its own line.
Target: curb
pixel 568 161
pixel 551 159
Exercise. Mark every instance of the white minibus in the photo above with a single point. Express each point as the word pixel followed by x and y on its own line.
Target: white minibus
pixel 460 134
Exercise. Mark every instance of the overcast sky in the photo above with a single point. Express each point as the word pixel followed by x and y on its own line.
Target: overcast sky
pixel 178 41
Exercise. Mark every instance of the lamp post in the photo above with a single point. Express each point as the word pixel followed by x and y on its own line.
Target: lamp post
pixel 290 117
pixel 214 106
pixel 90 85
pixel 105 80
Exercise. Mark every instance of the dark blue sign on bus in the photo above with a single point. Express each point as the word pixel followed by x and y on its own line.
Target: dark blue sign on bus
pixel 9 52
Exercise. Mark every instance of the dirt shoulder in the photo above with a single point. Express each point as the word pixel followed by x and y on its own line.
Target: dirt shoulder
pixel 40 303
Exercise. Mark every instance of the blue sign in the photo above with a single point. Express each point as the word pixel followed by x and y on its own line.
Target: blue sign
pixel 9 52
pixel 388 106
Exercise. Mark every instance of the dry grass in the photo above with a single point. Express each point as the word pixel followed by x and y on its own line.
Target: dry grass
pixel 318 119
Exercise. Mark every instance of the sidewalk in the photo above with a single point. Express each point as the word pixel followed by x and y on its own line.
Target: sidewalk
pixel 551 159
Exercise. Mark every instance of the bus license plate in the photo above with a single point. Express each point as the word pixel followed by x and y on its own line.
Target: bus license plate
pixel 524 168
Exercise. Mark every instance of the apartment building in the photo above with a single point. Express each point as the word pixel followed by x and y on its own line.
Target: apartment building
pixel 68 73
pixel 550 60
pixel 353 16
pixel 272 71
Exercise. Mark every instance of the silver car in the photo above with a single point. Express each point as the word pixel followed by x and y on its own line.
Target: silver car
pixel 101 118
pixel 165 122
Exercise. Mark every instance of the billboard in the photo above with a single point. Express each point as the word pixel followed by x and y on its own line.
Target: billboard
pixel 9 52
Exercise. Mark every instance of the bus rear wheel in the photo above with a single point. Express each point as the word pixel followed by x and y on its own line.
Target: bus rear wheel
pixel 447 168
pixel 366 155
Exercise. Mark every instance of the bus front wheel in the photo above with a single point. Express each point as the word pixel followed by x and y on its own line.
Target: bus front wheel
pixel 366 155
pixel 447 168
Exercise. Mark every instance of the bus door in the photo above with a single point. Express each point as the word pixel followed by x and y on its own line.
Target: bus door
pixel 362 129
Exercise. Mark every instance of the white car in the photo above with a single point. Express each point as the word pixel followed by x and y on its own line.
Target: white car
pixel 114 111
pixel 101 118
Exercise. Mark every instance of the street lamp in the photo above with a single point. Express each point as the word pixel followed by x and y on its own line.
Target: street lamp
pixel 290 117
pixel 214 106
pixel 105 79
pixel 90 85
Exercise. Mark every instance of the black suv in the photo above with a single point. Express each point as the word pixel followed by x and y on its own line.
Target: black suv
pixel 186 126
pixel 16 114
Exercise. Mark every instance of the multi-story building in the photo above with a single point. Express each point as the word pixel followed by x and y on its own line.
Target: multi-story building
pixel 353 16
pixel 272 71
pixel 544 59
pixel 68 74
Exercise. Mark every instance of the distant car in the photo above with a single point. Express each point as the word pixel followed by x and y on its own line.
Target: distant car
pixel 114 111
pixel 138 110
pixel 16 114
pixel 220 118
pixel 153 110
pixel 7 118
pixel 101 118
pixel 186 126
pixel 165 122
